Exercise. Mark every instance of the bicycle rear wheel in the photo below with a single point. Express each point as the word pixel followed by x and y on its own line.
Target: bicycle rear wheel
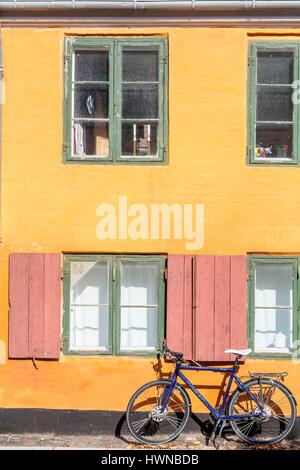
pixel 150 422
pixel 278 415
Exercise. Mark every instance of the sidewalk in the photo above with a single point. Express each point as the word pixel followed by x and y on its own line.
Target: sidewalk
pixel 101 442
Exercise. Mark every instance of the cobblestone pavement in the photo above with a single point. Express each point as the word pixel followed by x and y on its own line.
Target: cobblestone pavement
pixel 184 442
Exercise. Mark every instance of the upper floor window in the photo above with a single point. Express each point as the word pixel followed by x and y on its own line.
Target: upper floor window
pixel 115 100
pixel 274 108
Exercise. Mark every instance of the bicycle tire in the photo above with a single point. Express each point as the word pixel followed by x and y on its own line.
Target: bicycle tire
pixel 137 433
pixel 270 408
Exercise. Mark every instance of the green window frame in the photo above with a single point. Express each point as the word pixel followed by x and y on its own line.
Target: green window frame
pixel 254 49
pixel 114 46
pixel 114 295
pixel 253 262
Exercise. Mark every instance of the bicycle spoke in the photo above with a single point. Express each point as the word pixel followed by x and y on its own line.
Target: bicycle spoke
pixel 248 426
pixel 139 426
pixel 281 419
pixel 174 420
pixel 276 405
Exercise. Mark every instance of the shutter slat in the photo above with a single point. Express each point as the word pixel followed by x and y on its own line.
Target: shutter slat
pixel 179 304
pixel 238 323
pixel 204 301
pixel 188 308
pixel 175 302
pixel 36 305
pixel 52 306
pixel 222 307
pixel 18 305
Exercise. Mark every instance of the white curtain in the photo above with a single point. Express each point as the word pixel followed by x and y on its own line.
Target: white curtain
pixel 273 307
pixel 139 305
pixel 89 306
pixel 78 139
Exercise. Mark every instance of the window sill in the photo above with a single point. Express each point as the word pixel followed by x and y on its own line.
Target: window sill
pixel 273 355
pixel 273 162
pixel 119 162
pixel 93 354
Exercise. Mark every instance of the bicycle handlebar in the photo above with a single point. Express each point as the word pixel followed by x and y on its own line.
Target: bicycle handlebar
pixel 168 352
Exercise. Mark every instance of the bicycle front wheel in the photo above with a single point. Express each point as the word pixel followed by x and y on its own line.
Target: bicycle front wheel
pixel 149 421
pixel 277 418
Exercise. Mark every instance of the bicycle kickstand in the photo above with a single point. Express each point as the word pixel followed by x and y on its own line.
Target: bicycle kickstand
pixel 218 429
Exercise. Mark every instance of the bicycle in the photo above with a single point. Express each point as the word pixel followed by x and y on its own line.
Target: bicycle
pixel 261 410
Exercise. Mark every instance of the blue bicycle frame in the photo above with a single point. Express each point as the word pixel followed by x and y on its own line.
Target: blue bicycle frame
pixel 218 414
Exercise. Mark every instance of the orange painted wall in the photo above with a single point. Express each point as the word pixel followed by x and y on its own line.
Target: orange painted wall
pixel 49 206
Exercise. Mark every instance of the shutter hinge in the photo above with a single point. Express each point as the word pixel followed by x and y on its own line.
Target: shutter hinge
pixel 62 340
pixel 251 61
pixel 65 147
pixel 163 60
pixel 67 59
pixel 164 274
pixel 62 274
pixel 163 148
pixel 249 150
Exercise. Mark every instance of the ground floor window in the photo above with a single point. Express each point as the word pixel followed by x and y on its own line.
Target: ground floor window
pixel 273 304
pixel 113 304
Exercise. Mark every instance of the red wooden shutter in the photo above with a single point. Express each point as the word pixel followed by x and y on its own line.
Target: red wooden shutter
pixel 179 304
pixel 35 299
pixel 220 306
pixel 206 305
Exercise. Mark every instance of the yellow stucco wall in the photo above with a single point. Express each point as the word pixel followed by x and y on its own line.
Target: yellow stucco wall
pixel 49 206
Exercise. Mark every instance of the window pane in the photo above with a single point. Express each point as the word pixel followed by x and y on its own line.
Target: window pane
pixel 274 285
pixel 275 67
pixel 273 329
pixel 139 283
pixel 90 139
pixel 89 328
pixel 89 300
pixel 139 65
pixel 140 101
pixel 274 104
pixel 139 139
pixel 89 282
pixel 138 328
pixel 91 65
pixel 273 141
pixel 91 101
pixel 273 289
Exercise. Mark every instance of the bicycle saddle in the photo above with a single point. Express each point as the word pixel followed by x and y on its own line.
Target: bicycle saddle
pixel 238 352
